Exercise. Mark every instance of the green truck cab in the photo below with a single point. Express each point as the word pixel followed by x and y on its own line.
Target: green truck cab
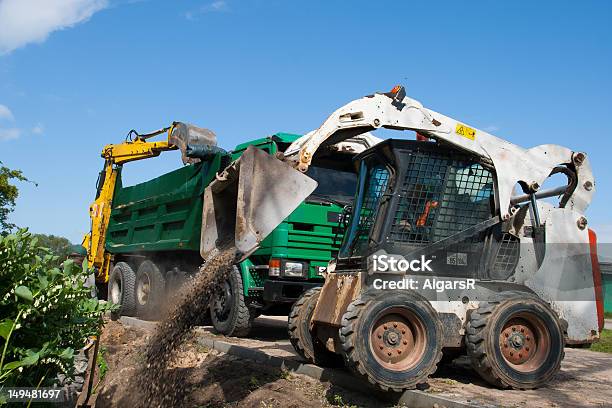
pixel 154 236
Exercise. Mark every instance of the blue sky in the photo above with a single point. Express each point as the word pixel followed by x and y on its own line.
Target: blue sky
pixel 82 73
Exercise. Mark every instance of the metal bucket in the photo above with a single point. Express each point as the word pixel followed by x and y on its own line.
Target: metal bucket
pixel 248 200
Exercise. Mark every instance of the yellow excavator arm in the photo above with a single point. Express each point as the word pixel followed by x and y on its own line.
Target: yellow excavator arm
pixel 115 155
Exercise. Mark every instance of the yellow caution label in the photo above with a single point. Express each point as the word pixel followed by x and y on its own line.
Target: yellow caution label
pixel 465 131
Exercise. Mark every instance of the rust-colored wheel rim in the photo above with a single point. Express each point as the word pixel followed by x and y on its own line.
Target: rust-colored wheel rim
pixel 524 342
pixel 398 339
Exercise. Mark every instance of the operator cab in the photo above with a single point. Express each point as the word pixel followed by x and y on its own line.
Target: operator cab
pixel 425 198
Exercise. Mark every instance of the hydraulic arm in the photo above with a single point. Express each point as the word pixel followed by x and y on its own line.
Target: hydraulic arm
pixel 136 147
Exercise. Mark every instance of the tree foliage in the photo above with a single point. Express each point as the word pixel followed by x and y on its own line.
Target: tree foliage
pixel 58 246
pixel 45 313
pixel 8 195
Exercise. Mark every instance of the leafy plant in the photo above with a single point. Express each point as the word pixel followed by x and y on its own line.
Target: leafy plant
pixel 102 366
pixel 45 313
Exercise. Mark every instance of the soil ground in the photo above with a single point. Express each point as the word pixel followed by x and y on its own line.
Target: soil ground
pixel 214 379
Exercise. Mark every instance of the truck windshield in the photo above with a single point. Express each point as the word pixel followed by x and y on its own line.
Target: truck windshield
pixel 373 181
pixel 334 184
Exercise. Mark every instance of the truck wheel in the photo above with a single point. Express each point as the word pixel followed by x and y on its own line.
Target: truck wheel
pixel 305 344
pixel 121 289
pixel 515 340
pixel 228 311
pixel 394 340
pixel 150 290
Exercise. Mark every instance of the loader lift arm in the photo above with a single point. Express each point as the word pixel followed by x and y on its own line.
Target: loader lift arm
pixel 394 110
pixel 136 147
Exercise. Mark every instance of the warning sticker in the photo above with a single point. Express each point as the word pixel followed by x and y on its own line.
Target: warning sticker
pixel 465 131
pixel 456 258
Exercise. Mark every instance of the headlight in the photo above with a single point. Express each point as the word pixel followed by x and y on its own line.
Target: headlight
pixel 274 267
pixel 293 269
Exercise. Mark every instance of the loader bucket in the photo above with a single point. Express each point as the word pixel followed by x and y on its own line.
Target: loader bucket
pixel 248 200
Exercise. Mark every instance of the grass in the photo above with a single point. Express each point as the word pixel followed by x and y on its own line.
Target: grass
pixel 605 342
pixel 608 315
pixel 338 401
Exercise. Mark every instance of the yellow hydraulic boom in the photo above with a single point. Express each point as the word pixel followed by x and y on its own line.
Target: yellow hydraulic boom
pixel 136 147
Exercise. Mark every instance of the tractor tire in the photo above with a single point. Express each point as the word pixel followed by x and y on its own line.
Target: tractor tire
pixel 121 285
pixel 150 290
pixel 515 341
pixel 228 311
pixel 394 340
pixel 309 347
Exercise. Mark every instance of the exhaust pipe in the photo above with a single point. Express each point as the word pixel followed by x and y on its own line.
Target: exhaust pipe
pixel 248 200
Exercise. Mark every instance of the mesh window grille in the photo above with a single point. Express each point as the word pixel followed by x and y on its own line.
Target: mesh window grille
pixel 376 184
pixel 507 255
pixel 440 196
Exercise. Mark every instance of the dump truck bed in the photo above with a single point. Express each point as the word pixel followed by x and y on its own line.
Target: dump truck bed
pixel 162 214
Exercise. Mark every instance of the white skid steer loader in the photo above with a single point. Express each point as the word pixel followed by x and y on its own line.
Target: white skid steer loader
pixel 452 246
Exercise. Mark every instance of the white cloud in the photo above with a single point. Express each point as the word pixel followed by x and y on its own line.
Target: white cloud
pixel 27 21
pixel 9 134
pixel 5 113
pixel 215 6
pixel 39 129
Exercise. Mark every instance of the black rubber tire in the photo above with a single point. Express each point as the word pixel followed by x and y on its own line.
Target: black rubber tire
pixel 485 326
pixel 121 285
pixel 357 325
pixel 150 307
pixel 237 318
pixel 309 347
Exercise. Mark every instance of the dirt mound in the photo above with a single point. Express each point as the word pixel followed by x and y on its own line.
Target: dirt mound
pixel 210 378
pixel 158 386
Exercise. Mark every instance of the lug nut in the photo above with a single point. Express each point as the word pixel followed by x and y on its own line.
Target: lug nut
pixel 381 347
pixel 403 331
pixel 511 353
pixel 379 336
pixel 506 334
pixel 394 324
pixel 389 353
pixel 526 348
pixel 385 327
pixel 513 329
pixel 405 342
pixel 520 355
pixel 522 330
pixel 399 351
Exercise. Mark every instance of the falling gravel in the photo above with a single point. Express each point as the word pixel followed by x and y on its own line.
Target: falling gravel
pixel 159 386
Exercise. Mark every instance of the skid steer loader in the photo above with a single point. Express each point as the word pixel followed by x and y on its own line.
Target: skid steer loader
pixel 452 245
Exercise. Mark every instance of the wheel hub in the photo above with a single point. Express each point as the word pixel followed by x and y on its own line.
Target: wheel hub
pixel 143 289
pixel 397 340
pixel 223 301
pixel 116 292
pixel 523 343
pixel 392 338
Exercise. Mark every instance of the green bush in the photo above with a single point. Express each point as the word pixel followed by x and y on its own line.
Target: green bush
pixel 46 313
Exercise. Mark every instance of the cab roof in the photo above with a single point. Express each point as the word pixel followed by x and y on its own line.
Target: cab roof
pixel 277 137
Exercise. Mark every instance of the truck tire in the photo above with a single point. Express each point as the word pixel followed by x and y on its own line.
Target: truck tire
pixel 121 285
pixel 393 340
pixel 305 344
pixel 150 290
pixel 228 311
pixel 515 341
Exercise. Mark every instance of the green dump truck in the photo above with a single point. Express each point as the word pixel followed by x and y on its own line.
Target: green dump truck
pixel 154 232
